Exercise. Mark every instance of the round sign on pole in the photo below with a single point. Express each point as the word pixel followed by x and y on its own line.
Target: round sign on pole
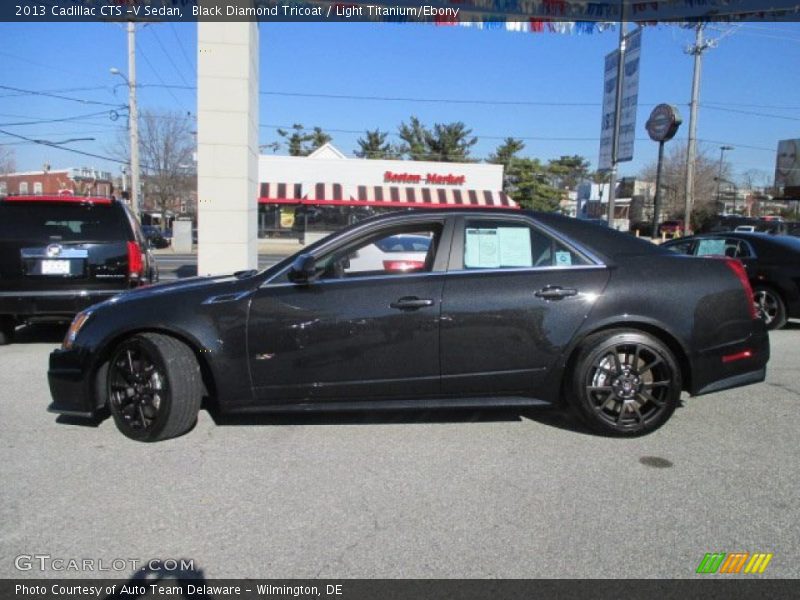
pixel 663 123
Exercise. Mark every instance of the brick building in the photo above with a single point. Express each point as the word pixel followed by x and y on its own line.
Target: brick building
pixel 81 182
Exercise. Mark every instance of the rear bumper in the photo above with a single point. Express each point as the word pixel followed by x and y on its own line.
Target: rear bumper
pixel 732 365
pixel 70 384
pixel 51 303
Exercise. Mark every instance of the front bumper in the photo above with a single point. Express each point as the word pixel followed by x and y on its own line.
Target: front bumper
pixel 70 384
pixel 728 366
pixel 51 303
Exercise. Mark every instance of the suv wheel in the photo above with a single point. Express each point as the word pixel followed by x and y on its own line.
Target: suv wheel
pixel 625 383
pixel 154 387
pixel 770 306
pixel 6 330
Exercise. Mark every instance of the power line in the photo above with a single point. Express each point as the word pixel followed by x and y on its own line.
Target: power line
pixel 58 96
pixel 41 121
pixel 750 112
pixel 180 46
pixel 42 65
pixel 155 72
pixel 57 147
pixel 169 57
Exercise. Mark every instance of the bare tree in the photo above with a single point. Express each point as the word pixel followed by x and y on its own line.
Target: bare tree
pixel 8 163
pixel 167 159
pixel 673 180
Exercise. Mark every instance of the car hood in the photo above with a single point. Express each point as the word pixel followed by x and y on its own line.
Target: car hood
pixel 216 284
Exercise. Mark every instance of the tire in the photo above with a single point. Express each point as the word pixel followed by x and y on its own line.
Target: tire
pixel 154 387
pixel 6 330
pixel 625 383
pixel 770 306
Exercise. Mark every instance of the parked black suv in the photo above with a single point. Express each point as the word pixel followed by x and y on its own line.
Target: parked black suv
pixel 60 254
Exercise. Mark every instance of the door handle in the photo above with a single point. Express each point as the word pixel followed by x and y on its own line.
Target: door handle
pixel 411 303
pixel 554 292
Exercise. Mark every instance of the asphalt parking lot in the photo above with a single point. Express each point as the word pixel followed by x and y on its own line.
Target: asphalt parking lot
pixel 466 494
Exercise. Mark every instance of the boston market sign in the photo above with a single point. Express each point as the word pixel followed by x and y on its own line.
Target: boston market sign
pixel 428 179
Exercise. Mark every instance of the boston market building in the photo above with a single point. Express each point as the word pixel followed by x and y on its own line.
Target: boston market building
pixel 309 196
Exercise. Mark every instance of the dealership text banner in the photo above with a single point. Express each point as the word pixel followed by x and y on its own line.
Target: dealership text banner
pixel 536 16
pixel 369 589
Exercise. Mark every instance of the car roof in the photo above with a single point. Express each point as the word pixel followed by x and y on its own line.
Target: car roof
pixel 600 239
pixel 67 198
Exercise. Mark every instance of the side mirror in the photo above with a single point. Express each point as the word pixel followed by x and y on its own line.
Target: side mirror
pixel 304 269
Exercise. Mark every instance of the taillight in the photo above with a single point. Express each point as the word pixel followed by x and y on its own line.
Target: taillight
pixel 135 261
pixel 738 268
pixel 394 266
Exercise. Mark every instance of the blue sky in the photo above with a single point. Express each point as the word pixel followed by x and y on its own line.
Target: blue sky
pixel 753 70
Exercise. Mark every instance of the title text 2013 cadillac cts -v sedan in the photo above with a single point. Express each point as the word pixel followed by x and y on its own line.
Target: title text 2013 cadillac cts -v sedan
pixel 508 308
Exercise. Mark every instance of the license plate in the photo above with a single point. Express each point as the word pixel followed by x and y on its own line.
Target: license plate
pixel 55 267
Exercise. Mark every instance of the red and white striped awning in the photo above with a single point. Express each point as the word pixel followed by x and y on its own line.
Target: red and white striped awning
pixel 431 197
pixel 336 194
pixel 280 193
pixel 325 193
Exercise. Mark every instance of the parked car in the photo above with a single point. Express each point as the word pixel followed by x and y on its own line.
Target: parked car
pixel 401 252
pixel 772 263
pixel 512 308
pixel 671 228
pixel 60 254
pixel 155 237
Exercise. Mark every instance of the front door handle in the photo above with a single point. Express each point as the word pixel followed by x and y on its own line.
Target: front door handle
pixel 411 303
pixel 554 292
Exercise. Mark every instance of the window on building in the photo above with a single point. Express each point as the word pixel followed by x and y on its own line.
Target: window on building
pixel 3 188
pixel 23 187
pixel 37 187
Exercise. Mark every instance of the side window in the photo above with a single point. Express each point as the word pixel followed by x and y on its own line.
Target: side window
pixel 392 252
pixel 497 244
pixel 710 247
pixel 681 247
pixel 737 249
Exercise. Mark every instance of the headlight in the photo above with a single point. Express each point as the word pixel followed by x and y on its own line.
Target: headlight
pixel 74 328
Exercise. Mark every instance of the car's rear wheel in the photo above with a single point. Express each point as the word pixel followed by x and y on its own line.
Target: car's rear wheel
pixel 6 330
pixel 154 387
pixel 770 306
pixel 625 383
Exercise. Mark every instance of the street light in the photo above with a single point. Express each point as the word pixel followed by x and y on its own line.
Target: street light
pixel 133 117
pixel 722 150
pixel 734 187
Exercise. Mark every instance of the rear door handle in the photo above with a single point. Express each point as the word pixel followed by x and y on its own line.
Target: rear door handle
pixel 554 292
pixel 411 303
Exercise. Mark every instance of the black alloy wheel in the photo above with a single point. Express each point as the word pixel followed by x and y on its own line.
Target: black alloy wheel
pixel 625 383
pixel 154 387
pixel 770 307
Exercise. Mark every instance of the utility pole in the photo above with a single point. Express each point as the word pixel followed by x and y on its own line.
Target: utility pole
pixel 133 114
pixel 722 150
pixel 617 118
pixel 700 46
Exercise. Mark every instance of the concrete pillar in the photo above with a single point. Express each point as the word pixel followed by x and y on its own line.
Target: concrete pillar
pixel 227 152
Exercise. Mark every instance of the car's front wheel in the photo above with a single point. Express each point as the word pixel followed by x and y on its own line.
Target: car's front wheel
pixel 770 306
pixel 625 383
pixel 154 387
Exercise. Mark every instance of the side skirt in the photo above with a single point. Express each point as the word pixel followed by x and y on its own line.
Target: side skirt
pixel 427 404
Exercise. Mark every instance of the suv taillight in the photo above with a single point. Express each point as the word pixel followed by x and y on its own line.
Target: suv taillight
pixel 135 261
pixel 738 269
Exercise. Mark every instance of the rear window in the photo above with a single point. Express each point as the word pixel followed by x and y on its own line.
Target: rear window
pixel 62 222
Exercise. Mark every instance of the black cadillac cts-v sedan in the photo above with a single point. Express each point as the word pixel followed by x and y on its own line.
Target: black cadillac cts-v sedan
pixel 497 308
